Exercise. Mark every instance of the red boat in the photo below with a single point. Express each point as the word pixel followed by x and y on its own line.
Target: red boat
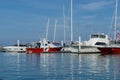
pixel 110 50
pixel 44 46
pixel 115 48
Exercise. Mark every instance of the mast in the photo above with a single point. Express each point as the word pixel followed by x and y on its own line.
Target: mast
pixel 115 28
pixel 71 21
pixel 18 43
pixel 47 29
pixel 55 30
pixel 79 49
pixel 64 24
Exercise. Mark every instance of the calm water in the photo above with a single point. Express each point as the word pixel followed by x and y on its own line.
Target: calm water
pixel 59 66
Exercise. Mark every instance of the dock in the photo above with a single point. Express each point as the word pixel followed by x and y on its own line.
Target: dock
pixel 71 52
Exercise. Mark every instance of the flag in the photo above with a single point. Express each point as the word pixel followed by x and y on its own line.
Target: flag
pixel 118 36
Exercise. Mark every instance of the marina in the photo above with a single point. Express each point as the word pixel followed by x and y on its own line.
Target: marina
pixel 98 42
pixel 75 44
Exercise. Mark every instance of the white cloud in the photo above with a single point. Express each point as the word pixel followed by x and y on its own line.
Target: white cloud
pixel 95 5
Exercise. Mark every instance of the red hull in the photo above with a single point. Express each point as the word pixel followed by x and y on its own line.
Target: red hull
pixel 110 50
pixel 42 50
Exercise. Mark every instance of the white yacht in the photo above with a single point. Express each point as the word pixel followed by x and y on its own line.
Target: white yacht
pixel 90 46
pixel 16 48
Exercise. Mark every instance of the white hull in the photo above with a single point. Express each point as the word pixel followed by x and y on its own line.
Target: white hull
pixel 90 46
pixel 14 49
pixel 87 49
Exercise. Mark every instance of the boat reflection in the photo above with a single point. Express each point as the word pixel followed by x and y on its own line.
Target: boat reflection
pixel 74 66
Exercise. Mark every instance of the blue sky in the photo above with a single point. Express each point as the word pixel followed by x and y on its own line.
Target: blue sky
pixel 26 20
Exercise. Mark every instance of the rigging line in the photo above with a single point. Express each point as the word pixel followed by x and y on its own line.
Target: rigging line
pixel 64 19
pixel 111 24
pixel 115 28
pixel 47 29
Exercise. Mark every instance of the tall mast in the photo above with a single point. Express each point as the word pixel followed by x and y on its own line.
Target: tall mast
pixel 47 29
pixel 115 28
pixel 64 24
pixel 55 30
pixel 71 21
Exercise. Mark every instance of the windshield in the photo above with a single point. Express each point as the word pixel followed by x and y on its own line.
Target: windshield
pixel 97 36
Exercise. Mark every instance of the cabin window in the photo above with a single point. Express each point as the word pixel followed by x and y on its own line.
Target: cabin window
pixel 100 43
pixel 58 44
pixel 94 36
pixel 38 45
pixel 48 42
pixel 97 36
pixel 45 44
pixel 102 36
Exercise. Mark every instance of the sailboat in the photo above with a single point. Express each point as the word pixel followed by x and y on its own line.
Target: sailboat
pixel 44 45
pixel 115 47
pixel 90 46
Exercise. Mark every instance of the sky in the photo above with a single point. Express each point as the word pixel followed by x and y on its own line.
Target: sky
pixel 26 20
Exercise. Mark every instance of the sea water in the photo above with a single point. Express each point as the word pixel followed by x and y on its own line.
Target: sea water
pixel 59 66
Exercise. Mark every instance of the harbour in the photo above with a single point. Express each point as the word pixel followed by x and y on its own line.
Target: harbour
pixel 65 40
pixel 98 42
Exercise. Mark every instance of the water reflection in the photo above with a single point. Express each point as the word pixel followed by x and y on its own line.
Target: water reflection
pixel 116 66
pixel 70 66
pixel 62 66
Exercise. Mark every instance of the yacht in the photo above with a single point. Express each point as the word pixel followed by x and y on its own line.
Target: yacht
pixel 90 46
pixel 15 48
pixel 44 46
